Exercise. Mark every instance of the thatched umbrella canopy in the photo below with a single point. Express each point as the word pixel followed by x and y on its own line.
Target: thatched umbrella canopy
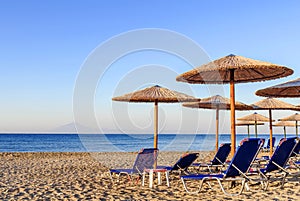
pixel 234 69
pixel 287 89
pixel 295 117
pixel 218 103
pixel 284 124
pixel 273 104
pixel 155 94
pixel 256 118
pixel 248 124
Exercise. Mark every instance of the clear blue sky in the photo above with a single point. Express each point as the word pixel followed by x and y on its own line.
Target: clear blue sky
pixel 44 44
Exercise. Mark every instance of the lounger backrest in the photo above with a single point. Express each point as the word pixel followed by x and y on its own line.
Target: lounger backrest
pixel 244 156
pixel 145 160
pixel 273 142
pixel 221 154
pixel 185 161
pixel 281 154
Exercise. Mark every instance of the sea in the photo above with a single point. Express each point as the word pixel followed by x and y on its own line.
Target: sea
pixel 114 142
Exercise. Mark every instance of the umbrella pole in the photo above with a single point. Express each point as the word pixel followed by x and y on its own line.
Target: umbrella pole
pixel 255 129
pixel 232 110
pixel 248 128
pixel 271 132
pixel 155 123
pixel 155 128
pixel 297 128
pixel 284 131
pixel 217 128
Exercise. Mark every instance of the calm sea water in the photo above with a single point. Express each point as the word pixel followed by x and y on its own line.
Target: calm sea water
pixel 111 142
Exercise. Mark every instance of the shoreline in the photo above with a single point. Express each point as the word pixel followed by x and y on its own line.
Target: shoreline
pixel 84 175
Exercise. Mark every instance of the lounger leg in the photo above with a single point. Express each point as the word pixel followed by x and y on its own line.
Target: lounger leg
pixel 210 186
pixel 283 179
pixel 264 181
pixel 159 178
pixel 244 183
pixel 209 169
pixel 151 178
pixel 167 178
pixel 129 178
pixel 221 186
pixel 110 175
pixel 267 183
pixel 241 190
pixel 143 182
pixel 138 179
pixel 201 184
pixel 247 187
pixel 118 178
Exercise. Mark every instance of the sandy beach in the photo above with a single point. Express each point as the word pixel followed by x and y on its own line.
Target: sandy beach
pixel 84 176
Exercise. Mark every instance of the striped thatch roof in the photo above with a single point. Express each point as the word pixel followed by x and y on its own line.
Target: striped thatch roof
pixel 155 93
pixel 248 123
pixel 287 89
pixel 217 102
pixel 294 117
pixel 285 123
pixel 254 117
pixel 245 70
pixel 274 104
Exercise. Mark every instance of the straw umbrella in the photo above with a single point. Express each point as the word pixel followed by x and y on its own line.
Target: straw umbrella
pixel 256 118
pixel 155 94
pixel 295 117
pixel 218 103
pixel 284 124
pixel 273 104
pixel 234 69
pixel 288 89
pixel 248 124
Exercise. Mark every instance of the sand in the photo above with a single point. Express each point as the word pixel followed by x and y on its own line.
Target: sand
pixel 84 176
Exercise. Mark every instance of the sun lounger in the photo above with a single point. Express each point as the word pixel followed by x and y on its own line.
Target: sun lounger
pixel 182 164
pixel 145 159
pixel 277 163
pixel 238 167
pixel 219 160
pixel 267 148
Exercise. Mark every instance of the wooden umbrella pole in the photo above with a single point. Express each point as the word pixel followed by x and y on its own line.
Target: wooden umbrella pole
pixel 271 133
pixel 297 128
pixel 284 131
pixel 217 128
pixel 232 110
pixel 248 129
pixel 155 123
pixel 255 128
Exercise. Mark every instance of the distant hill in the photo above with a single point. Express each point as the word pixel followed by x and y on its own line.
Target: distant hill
pixel 71 128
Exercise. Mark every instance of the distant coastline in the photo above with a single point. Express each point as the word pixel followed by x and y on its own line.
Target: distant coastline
pixel 50 142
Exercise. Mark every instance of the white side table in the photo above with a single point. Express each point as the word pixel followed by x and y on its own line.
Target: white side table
pixel 158 171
